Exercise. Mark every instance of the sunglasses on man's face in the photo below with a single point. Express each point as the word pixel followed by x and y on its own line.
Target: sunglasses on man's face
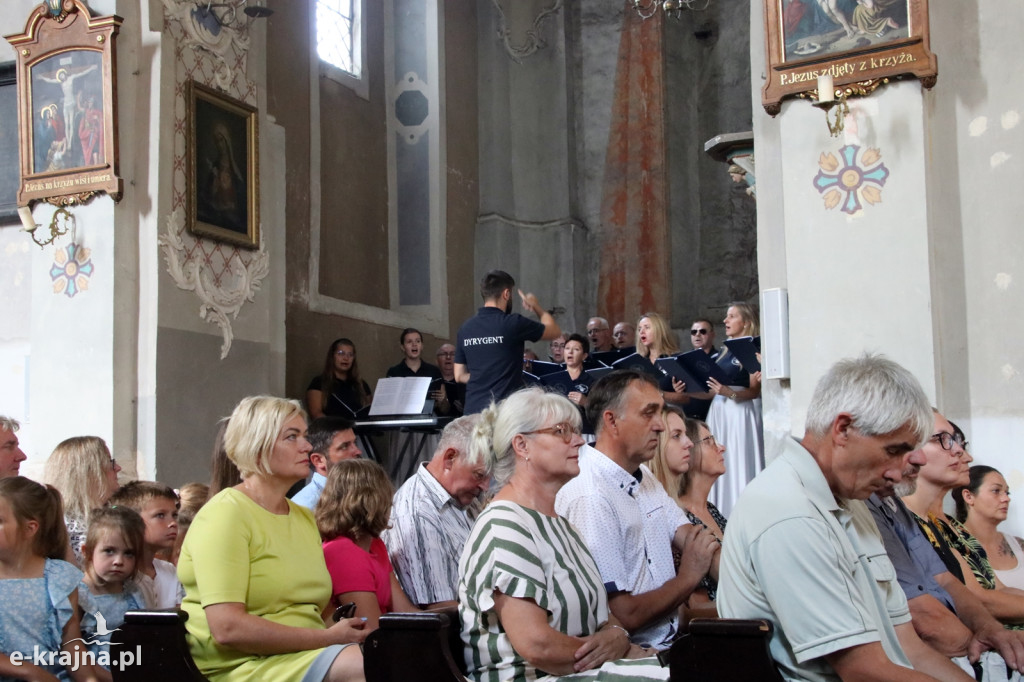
pixel 694 332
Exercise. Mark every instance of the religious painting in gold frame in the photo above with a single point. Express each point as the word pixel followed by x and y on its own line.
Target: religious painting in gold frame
pixel 67 105
pixel 860 43
pixel 222 167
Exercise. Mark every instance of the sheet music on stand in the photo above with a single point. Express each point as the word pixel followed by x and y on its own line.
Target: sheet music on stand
pixel 400 396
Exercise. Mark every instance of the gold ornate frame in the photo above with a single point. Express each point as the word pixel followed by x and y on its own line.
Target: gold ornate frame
pixel 875 58
pixel 222 185
pixel 66 69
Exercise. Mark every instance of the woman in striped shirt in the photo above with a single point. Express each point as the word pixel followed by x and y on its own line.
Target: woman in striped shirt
pixel 531 599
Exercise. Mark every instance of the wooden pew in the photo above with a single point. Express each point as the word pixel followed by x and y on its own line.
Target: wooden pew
pixel 426 647
pixel 724 649
pixel 156 641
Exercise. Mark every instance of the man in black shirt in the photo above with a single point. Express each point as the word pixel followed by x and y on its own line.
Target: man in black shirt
pixel 489 349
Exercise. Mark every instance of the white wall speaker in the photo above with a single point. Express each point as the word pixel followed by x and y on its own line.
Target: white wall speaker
pixel 775 334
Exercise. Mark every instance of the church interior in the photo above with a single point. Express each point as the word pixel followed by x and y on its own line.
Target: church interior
pixel 601 151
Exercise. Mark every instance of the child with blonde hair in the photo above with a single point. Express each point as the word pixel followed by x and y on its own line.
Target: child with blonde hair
pixel 38 590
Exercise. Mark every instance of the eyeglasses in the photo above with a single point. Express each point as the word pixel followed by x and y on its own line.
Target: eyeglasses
pixel 565 431
pixel 694 332
pixel 345 353
pixel 446 355
pixel 946 440
pixel 708 439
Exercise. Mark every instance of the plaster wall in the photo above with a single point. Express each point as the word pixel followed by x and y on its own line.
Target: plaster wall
pixel 347 137
pixel 926 275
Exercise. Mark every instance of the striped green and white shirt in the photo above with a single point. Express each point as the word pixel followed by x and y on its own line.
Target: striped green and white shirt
pixel 528 555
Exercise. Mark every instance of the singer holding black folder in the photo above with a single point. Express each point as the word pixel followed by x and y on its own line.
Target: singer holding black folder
pixel 338 391
pixel 655 340
pixel 735 415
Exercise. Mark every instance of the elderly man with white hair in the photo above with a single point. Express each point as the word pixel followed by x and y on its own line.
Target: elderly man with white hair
pixel 803 551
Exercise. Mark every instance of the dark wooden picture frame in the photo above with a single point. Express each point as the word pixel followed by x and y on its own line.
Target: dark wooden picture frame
pixel 9 169
pixel 861 43
pixel 67 105
pixel 222 167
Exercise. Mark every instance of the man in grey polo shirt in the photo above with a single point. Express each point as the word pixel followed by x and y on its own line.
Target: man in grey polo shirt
pixel 802 549
pixel 431 518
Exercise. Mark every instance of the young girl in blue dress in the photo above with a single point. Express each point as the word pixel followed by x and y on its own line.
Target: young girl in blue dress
pixel 38 591
pixel 112 545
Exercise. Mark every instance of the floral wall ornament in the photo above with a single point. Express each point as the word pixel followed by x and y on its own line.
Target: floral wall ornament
pixel 532 40
pixel 848 180
pixel 229 45
pixel 220 303
pixel 72 267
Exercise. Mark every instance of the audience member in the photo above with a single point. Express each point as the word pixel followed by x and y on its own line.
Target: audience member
pixel 109 560
pixel 191 496
pixel 223 472
pixel 600 335
pixel 981 506
pixel 432 516
pixel 531 597
pixel 658 341
pixel 557 347
pixel 945 467
pixel 255 579
pixel 158 506
pixel 338 391
pixel 351 514
pixel 84 472
pixel 803 551
pixel 332 440
pixel 489 352
pixel 944 613
pixel 702 336
pixel 735 414
pixel 38 591
pixel 454 391
pixel 707 464
pixel 624 335
pixel 413 365
pixel 628 521
pixel 11 455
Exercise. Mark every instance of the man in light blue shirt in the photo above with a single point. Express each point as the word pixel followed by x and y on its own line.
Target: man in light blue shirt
pixel 333 440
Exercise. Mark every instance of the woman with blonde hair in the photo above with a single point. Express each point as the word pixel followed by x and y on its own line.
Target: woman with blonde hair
pixel 656 340
pixel 353 511
pixel 735 414
pixel 84 472
pixel 256 585
pixel 531 598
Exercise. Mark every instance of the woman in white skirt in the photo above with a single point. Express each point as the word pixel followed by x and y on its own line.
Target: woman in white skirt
pixel 735 414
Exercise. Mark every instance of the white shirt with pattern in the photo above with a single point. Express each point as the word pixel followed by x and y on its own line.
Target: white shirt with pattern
pixel 628 523
pixel 427 534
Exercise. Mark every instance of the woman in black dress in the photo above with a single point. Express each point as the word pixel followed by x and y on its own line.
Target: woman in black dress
pixel 338 391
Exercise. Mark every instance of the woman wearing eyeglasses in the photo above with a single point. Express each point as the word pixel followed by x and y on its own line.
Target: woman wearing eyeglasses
pixel 981 506
pixel 338 391
pixel 946 468
pixel 735 414
pixel 531 599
